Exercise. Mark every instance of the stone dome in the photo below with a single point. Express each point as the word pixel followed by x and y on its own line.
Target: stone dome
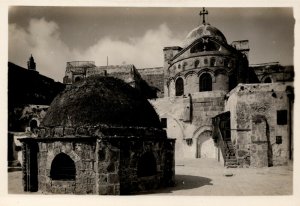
pixel 204 30
pixel 104 101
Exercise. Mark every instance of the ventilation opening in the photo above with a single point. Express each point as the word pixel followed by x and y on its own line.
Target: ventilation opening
pixel 62 168
pixel 146 165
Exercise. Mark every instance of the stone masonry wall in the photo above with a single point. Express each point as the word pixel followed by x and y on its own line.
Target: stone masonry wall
pixel 83 155
pixel 131 151
pixel 254 127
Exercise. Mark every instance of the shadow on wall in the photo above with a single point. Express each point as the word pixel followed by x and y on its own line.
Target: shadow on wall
pixel 183 182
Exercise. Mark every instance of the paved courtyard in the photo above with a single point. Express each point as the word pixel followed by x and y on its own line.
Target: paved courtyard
pixel 206 177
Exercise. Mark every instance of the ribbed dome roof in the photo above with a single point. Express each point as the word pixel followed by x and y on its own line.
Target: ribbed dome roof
pixel 204 30
pixel 99 100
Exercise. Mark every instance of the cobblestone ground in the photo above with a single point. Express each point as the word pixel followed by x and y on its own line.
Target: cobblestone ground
pixel 207 177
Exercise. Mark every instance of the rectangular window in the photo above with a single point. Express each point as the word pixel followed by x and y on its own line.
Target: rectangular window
pixel 278 140
pixel 282 117
pixel 163 122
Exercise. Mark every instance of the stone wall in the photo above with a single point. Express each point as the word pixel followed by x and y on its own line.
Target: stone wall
pixel 190 120
pixel 154 77
pixel 84 156
pixel 131 152
pixel 255 131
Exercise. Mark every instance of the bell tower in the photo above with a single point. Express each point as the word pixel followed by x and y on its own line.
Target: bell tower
pixel 31 64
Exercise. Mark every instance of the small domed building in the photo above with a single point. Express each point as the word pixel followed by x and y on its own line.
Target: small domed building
pixel 100 136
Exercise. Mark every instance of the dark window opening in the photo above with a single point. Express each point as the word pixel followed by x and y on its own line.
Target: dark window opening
pixel 278 139
pixel 282 117
pixel 179 87
pixel 268 80
pixel 205 82
pixel 77 79
pixel 232 81
pixel 189 142
pixel 205 61
pixel 62 168
pixel 205 46
pixel 33 125
pixel 212 62
pixel 196 63
pixel 146 165
pixel 163 122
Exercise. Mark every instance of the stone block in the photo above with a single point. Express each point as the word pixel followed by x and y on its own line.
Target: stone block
pixel 113 178
pixel 68 131
pixel 58 132
pixel 103 179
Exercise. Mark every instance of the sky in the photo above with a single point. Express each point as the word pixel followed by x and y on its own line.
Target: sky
pixel 137 35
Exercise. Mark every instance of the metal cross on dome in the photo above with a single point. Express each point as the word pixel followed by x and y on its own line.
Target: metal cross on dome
pixel 203 13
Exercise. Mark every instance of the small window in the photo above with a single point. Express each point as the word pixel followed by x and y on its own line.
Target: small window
pixel 278 139
pixel 163 122
pixel 205 61
pixel 196 63
pixel 189 141
pixel 282 117
pixel 33 125
pixel 179 66
pixel 212 62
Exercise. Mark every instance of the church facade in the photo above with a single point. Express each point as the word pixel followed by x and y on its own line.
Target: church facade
pixel 216 106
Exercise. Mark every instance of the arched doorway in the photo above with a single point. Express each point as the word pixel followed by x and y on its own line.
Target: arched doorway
pixel 205 83
pixel 179 87
pixel 146 165
pixel 63 168
pixel 205 145
pixel 268 80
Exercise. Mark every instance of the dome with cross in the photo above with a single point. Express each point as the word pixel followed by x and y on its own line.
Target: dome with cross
pixel 205 30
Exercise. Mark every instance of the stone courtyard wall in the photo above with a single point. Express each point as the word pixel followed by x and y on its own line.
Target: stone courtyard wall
pixel 254 127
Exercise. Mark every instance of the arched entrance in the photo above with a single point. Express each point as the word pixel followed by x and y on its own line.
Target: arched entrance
pixel 146 165
pixel 63 168
pixel 205 145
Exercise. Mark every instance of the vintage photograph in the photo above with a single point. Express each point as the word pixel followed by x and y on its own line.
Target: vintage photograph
pixel 150 101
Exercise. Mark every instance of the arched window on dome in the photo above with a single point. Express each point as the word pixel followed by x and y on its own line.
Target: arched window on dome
pixel 63 168
pixel 205 46
pixel 205 83
pixel 179 87
pixel 268 80
pixel 146 165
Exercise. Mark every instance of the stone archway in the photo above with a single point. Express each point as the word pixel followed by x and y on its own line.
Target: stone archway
pixel 205 145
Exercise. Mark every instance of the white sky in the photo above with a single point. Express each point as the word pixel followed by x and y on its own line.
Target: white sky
pixel 55 35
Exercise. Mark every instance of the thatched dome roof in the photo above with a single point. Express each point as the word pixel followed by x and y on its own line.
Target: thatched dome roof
pixel 99 100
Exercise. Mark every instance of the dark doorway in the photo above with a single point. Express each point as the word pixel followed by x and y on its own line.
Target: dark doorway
pixel 146 165
pixel 62 168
